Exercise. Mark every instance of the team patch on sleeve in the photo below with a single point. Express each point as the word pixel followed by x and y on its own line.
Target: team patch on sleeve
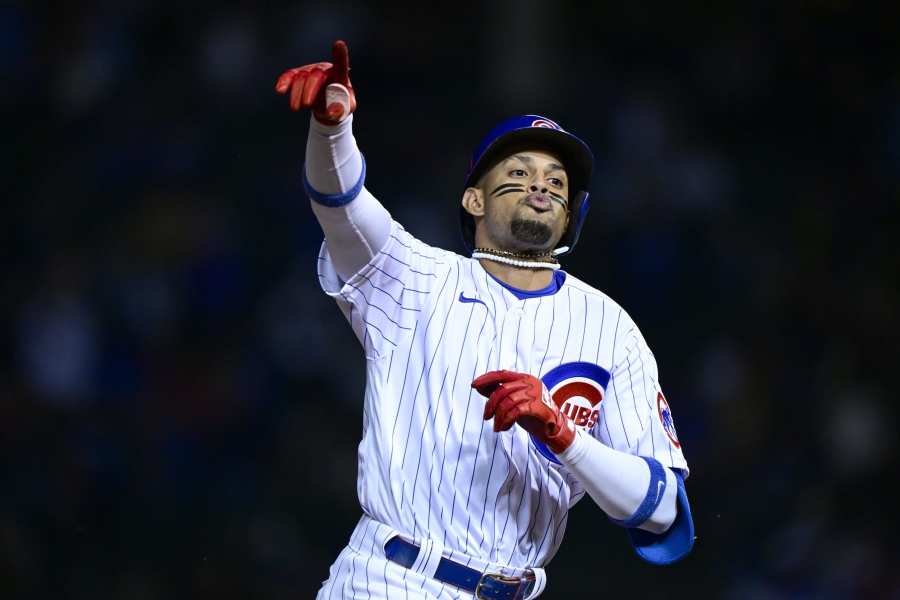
pixel 665 417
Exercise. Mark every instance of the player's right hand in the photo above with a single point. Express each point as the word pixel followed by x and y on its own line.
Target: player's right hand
pixel 524 399
pixel 323 87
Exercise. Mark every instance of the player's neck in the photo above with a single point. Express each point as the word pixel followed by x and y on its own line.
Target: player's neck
pixel 518 277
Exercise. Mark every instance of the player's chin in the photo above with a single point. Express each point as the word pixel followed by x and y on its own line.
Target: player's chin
pixel 533 234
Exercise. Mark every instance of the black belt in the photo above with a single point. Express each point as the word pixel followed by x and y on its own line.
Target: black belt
pixel 487 586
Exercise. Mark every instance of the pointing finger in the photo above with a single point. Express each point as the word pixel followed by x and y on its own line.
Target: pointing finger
pixel 341 59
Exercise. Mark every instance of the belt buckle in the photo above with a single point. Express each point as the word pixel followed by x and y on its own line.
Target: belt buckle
pixel 493 577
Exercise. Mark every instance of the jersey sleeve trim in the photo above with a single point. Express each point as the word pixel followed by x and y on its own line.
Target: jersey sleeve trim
pixel 676 542
pixel 334 200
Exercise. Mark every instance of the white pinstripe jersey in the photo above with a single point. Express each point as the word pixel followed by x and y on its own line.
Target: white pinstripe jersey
pixel 430 321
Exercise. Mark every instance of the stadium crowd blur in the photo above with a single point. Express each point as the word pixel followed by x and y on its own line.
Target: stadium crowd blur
pixel 181 405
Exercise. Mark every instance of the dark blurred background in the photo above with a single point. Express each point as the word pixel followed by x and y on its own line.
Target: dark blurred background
pixel 180 405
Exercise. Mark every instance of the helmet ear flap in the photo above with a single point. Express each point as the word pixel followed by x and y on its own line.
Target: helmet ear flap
pixel 577 216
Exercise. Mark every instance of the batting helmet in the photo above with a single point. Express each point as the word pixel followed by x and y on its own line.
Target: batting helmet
pixel 535 132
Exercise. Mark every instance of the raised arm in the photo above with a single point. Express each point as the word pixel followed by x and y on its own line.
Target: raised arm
pixel 356 225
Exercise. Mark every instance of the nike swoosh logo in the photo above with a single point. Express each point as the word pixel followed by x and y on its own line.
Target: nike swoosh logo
pixel 462 298
pixel 660 485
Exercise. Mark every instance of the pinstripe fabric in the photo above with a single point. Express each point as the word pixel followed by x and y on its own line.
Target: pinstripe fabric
pixel 430 321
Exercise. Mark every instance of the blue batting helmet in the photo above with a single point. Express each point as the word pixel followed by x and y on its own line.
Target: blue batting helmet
pixel 535 132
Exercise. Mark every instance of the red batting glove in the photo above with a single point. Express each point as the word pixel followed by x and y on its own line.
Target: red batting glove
pixel 522 398
pixel 318 86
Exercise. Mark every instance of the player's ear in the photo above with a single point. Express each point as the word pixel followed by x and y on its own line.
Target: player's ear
pixel 473 201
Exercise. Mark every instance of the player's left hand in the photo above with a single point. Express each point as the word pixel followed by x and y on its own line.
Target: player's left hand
pixel 524 399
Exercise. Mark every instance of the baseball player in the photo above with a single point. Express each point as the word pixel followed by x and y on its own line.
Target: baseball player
pixel 500 388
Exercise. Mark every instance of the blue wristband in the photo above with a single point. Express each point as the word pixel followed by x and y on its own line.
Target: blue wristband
pixel 651 501
pixel 334 200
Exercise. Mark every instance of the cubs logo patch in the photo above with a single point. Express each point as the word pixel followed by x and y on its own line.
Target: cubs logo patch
pixel 665 417
pixel 546 123
pixel 576 388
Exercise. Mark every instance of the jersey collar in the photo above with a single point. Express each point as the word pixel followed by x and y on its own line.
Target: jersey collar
pixel 559 278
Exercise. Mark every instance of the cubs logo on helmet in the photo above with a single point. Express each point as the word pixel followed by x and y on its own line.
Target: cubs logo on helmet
pixel 543 122
pixel 576 388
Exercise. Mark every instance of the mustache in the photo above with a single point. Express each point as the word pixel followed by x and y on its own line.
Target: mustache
pixel 510 188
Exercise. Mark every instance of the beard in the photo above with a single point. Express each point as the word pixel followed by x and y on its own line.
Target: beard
pixel 532 234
